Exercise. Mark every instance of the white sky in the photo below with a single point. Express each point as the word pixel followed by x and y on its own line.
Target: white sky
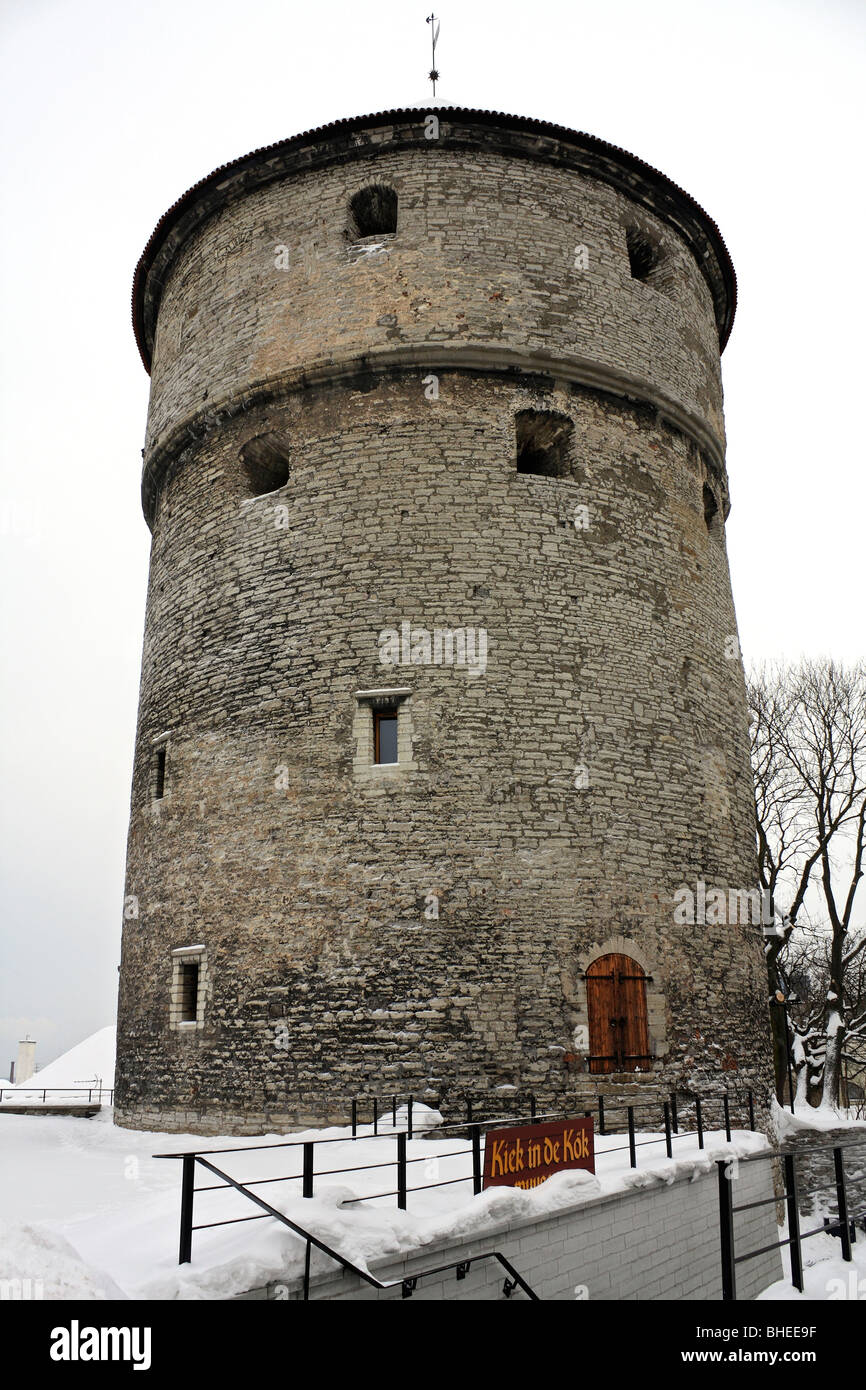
pixel 111 111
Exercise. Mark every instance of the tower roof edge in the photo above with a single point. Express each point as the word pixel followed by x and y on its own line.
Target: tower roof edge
pixel 521 136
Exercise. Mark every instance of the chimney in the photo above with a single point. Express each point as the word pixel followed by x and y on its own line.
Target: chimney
pixel 26 1064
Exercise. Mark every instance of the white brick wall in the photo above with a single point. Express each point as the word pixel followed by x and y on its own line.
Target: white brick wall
pixel 659 1242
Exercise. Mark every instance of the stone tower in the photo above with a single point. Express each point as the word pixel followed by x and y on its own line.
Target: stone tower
pixel 441 705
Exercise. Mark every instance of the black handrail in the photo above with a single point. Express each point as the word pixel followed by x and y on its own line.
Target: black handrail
pixel 473 1132
pixel 843 1223
pixel 63 1090
pixel 407 1285
pixel 671 1131
pixel 341 1138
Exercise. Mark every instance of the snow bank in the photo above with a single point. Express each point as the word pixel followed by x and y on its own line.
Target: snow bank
pixel 52 1266
pixel 810 1117
pixel 826 1276
pixel 96 1196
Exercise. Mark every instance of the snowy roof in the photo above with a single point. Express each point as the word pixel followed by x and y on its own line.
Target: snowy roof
pixel 88 1061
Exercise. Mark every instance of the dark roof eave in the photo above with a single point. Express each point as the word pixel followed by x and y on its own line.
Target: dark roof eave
pixel 170 220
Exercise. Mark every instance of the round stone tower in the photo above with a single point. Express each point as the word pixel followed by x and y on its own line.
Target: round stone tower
pixel 442 779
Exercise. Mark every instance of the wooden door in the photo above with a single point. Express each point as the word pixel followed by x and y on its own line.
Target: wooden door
pixel 618 1026
pixel 601 1006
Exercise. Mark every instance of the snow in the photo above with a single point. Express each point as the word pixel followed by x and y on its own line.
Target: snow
pixel 810 1117
pixel 431 103
pixel 51 1264
pixel 826 1276
pixel 374 252
pixel 90 1061
pixel 263 496
pixel 88 1210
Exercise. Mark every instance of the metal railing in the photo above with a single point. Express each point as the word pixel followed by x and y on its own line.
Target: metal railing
pixel 43 1091
pixel 400 1164
pixel 407 1285
pixel 680 1120
pixel 841 1225
pixel 670 1111
pixel 852 1082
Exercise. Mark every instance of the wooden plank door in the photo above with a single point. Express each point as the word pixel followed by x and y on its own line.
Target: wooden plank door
pixel 601 1006
pixel 631 1004
pixel 616 1003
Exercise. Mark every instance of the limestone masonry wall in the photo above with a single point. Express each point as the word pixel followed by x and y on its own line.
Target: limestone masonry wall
pixel 484 254
pixel 425 926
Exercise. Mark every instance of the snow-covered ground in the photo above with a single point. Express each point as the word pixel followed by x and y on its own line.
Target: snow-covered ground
pixel 90 1064
pixel 826 1276
pixel 87 1210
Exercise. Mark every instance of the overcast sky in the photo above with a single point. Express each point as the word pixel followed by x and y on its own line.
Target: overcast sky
pixel 111 111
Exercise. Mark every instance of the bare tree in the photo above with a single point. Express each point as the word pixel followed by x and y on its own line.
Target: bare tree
pixel 808 726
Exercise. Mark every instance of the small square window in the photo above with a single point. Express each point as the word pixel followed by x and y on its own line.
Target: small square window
pixel 382 730
pixel 385 737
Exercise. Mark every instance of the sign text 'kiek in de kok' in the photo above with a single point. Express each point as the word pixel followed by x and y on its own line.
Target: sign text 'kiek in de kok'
pixel 524 1156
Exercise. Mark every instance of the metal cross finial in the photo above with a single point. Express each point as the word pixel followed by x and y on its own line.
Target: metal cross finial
pixel 434 34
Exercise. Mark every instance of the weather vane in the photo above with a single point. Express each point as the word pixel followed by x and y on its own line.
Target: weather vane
pixel 434 34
